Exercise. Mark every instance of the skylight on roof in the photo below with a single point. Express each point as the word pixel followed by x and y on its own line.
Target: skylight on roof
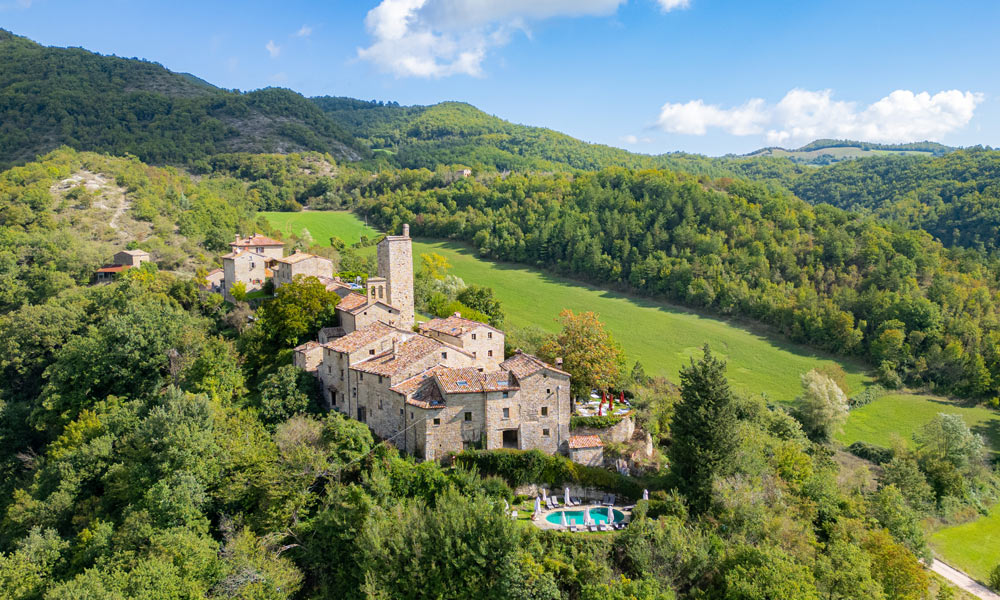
pixel 462 382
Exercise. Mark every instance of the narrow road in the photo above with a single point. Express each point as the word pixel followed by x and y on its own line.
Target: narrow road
pixel 963 581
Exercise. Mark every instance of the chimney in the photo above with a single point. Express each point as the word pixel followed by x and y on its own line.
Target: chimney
pixel 406 230
pixel 457 314
pixel 559 362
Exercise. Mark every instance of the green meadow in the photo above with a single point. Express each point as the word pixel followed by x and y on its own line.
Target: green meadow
pixel 973 547
pixel 903 414
pixel 660 336
pixel 321 225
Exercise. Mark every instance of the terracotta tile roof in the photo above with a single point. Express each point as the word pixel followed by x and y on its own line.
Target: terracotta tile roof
pixel 427 395
pixel 408 386
pixel 239 253
pixel 298 257
pixel 134 252
pixel 454 326
pixel 255 240
pixel 577 442
pixel 524 365
pixel 470 381
pixel 352 302
pixel 404 355
pixel 113 268
pixel 306 347
pixel 360 338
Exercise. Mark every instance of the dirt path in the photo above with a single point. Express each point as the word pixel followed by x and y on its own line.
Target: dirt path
pixel 963 581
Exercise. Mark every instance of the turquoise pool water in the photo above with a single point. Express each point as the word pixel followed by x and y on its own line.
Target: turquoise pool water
pixel 575 517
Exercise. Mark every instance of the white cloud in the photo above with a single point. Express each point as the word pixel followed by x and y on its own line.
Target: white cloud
pixel 304 31
pixel 632 140
pixel 804 115
pixel 437 38
pixel 273 49
pixel 669 5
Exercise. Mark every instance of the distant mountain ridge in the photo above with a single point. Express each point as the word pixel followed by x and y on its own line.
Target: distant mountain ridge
pixel 829 151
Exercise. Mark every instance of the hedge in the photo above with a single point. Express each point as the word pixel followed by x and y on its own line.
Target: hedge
pixel 867 396
pixel 594 422
pixel 520 467
pixel 877 454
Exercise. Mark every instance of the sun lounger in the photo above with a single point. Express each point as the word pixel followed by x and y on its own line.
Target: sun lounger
pixel 575 501
pixel 572 528
pixel 592 528
pixel 555 502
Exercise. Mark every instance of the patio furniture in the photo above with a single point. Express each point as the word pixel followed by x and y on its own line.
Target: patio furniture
pixel 513 514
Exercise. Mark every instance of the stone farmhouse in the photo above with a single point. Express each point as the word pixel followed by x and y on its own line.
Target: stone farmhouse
pixel 255 259
pixel 443 388
pixel 122 261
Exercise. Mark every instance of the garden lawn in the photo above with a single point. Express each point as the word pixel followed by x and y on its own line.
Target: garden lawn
pixel 972 547
pixel 322 225
pixel 661 336
pixel 904 414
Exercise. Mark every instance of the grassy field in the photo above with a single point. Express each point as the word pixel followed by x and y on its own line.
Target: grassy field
pixel 973 547
pixel 662 337
pixel 903 414
pixel 321 225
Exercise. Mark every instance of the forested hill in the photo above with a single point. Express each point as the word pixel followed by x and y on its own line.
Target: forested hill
pixel 460 134
pixel 68 96
pixel 955 197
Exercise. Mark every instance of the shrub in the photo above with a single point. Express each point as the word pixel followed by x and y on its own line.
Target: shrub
pixel 867 396
pixel 877 454
pixel 594 422
pixel 995 578
pixel 520 467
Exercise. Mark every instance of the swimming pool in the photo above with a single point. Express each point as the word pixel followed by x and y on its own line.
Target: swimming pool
pixel 575 517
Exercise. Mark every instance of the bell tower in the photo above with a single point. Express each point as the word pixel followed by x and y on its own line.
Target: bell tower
pixel 395 264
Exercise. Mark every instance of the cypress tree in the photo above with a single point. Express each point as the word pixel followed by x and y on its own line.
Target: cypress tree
pixel 704 430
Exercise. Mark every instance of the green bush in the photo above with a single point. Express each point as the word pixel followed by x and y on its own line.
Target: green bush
pixel 520 467
pixel 877 454
pixel 867 396
pixel 594 422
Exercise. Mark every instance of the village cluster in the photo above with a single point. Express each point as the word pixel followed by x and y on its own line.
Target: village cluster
pixel 430 388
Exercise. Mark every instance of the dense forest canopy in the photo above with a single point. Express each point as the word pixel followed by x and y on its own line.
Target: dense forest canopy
pixel 68 96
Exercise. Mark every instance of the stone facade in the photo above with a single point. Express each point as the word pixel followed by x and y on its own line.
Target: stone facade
pixel 395 265
pixel 308 265
pixel 132 258
pixel 247 267
pixel 485 343
pixel 587 450
pixel 308 356
pixel 258 244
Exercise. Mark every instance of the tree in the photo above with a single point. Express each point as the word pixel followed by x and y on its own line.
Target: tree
pixel 286 392
pixel 704 430
pixel 481 298
pixel 590 355
pixel 238 291
pixel 297 312
pixel 947 437
pixel 822 407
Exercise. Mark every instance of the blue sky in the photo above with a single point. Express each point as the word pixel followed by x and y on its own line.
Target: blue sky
pixel 649 75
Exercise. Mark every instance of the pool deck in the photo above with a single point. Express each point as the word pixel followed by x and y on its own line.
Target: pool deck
pixel 543 523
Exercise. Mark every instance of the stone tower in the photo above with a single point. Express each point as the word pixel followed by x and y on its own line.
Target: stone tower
pixel 395 263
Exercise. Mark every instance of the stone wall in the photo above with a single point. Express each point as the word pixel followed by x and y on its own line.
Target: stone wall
pixel 248 268
pixel 548 432
pixel 617 434
pixel 591 457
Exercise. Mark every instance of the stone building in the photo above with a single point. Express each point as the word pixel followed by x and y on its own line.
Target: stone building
pixel 258 244
pixel 301 263
pixel 486 343
pixel 444 389
pixel 586 450
pixel 122 261
pixel 244 266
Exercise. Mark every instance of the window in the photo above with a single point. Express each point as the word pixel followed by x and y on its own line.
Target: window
pixel 380 404
pixel 545 433
pixel 341 374
pixel 473 336
pixel 437 421
pixel 380 292
pixel 411 414
pixel 329 368
pixel 506 395
pixel 444 355
pixel 380 379
pixel 355 392
pixel 545 411
pixel 260 250
pixel 506 412
pixel 361 376
pixel 468 416
pixel 401 412
pixel 371 352
pixel 548 390
pixel 489 353
pixel 473 354
pixel 489 335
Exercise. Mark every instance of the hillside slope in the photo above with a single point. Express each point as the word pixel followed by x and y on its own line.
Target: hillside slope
pixel 68 96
